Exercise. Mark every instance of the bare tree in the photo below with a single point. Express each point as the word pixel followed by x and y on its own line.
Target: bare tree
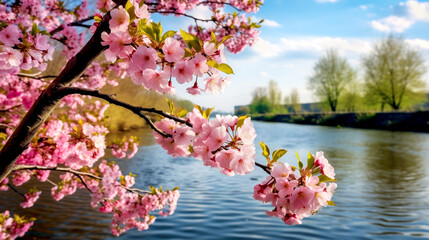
pixel 393 72
pixel 331 73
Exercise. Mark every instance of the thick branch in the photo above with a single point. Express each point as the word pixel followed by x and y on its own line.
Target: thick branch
pixel 48 100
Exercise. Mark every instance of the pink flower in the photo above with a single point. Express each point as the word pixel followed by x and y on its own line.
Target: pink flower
pixel 141 12
pixel 200 64
pixel 30 199
pixel 216 138
pixel 300 200
pixel 145 57
pixel 156 80
pixel 172 50
pixel 281 171
pixel 325 167
pixel 10 35
pixel 213 84
pixel 42 42
pixel 120 20
pixel 245 162
pixel 183 72
pixel 285 187
pixel 247 132
pixel 194 90
pixel 119 45
pixel 9 58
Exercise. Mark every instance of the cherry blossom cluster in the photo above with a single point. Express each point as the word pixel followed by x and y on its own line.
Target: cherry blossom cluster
pixel 296 194
pixel 225 142
pixel 13 227
pixel 154 60
pixel 131 208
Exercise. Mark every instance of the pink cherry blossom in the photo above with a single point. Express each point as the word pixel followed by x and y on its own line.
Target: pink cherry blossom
pixel 10 35
pixel 183 72
pixel 172 50
pixel 120 20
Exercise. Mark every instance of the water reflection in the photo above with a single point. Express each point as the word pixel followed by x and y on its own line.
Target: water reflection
pixel 382 191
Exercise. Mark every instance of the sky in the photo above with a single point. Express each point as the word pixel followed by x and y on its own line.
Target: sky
pixel 296 33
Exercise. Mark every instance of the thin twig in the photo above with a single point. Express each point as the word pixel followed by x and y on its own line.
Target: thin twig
pixel 135 109
pixel 263 167
pixel 15 190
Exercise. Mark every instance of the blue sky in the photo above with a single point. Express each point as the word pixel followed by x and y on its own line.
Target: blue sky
pixel 298 32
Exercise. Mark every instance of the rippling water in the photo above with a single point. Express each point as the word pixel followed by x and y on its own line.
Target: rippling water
pixel 383 192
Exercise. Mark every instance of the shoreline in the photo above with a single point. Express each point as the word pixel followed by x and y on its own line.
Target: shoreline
pixel 396 121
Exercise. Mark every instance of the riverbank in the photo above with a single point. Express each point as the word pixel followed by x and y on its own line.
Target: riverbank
pixel 397 121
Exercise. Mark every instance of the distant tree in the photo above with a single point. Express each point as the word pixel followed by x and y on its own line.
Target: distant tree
pixel 275 96
pixel 260 102
pixel 393 73
pixel 292 100
pixel 351 98
pixel 330 76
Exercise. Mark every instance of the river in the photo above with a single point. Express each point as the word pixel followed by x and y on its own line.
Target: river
pixel 383 191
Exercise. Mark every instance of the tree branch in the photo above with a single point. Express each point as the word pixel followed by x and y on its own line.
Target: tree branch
pixel 78 174
pixel 263 167
pixel 78 23
pixel 49 99
pixel 135 109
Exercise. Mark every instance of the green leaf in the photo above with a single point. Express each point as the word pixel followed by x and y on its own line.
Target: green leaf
pixel 191 40
pixel 188 53
pixel 191 149
pixel 212 63
pixel 225 68
pixel 310 161
pixel 265 150
pixel 207 112
pixel 331 203
pixel 277 154
pixel 221 67
pixel 300 165
pixel 34 29
pixel 181 112
pixel 240 121
pixel 213 39
pixel 176 188
pixel 167 35
pixel 223 40
pixel 199 108
pixel 324 178
pixel 171 106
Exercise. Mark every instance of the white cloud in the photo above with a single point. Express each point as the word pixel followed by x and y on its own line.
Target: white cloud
pixel 310 46
pixel 363 7
pixel 392 24
pixel 418 11
pixel 418 43
pixel 323 1
pixel 271 23
pixel 266 49
pixel 407 13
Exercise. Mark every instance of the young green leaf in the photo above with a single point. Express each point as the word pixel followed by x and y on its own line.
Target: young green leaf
pixel 310 160
pixel 167 35
pixel 277 154
pixel 331 203
pixel 191 40
pixel 240 121
pixel 324 178
pixel 265 150
pixel 207 112
pixel 300 165
pixel 199 108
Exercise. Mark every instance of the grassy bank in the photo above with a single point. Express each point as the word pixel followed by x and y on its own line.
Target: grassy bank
pixel 401 121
